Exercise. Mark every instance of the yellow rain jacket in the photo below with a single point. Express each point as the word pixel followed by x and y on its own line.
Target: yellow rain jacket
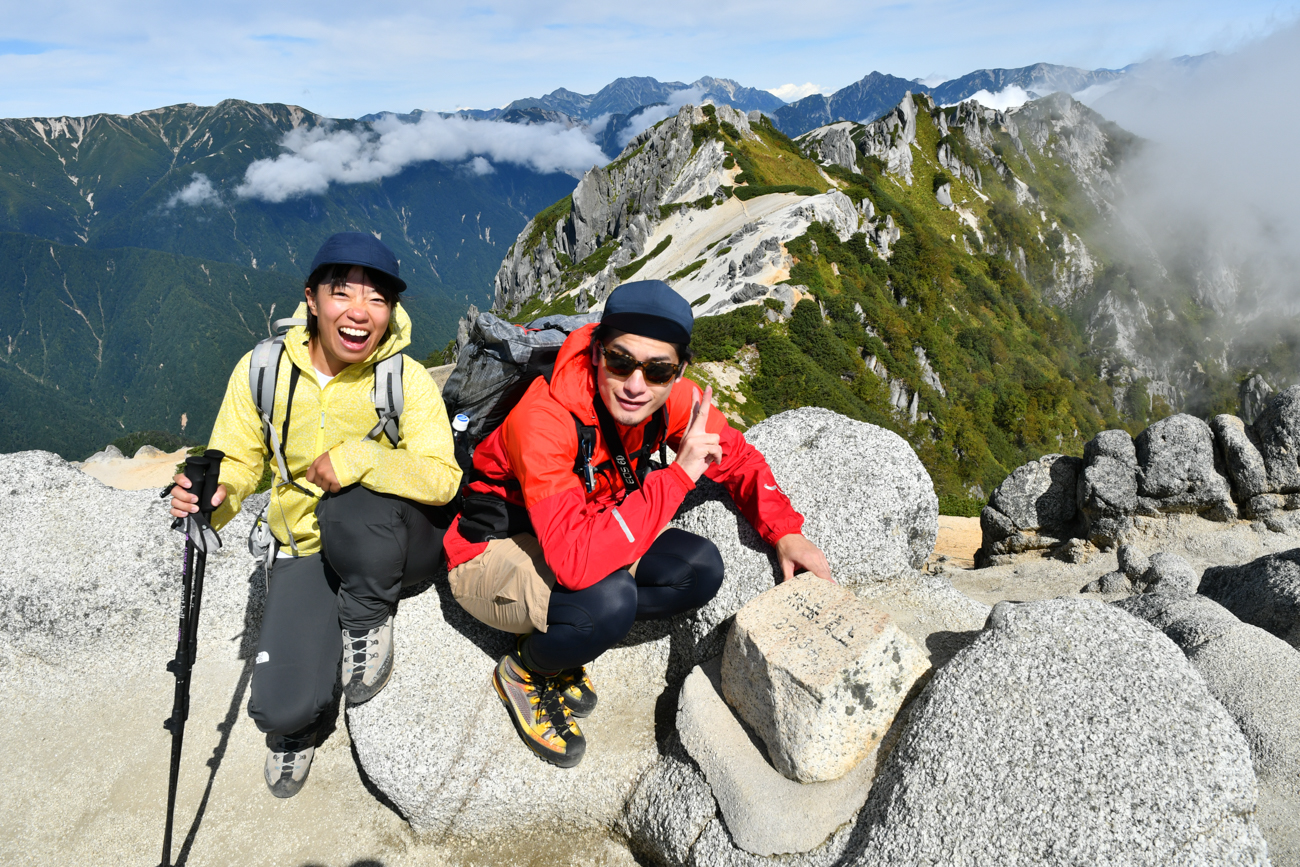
pixel 334 419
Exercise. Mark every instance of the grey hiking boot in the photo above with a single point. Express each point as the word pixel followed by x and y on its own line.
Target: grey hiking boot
pixel 367 661
pixel 288 761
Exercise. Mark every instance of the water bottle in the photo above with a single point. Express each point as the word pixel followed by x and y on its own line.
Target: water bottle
pixel 460 434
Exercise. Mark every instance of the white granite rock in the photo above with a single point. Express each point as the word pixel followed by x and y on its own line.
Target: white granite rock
pixel 867 500
pixel 764 812
pixel 1068 732
pixel 437 742
pixel 1265 592
pixel 819 675
pixel 88 569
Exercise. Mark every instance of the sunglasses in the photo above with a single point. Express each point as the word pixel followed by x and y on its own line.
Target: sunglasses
pixel 623 366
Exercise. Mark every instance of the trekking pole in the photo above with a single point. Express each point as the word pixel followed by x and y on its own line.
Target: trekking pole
pixel 203 473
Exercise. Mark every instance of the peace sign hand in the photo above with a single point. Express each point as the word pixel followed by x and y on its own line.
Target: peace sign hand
pixel 698 447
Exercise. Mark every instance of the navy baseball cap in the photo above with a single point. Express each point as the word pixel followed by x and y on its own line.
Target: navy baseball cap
pixel 651 309
pixel 359 248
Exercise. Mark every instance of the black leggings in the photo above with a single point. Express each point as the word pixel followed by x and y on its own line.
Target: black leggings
pixel 371 545
pixel 681 571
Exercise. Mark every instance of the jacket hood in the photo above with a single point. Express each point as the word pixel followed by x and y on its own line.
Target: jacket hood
pixel 573 382
pixel 397 338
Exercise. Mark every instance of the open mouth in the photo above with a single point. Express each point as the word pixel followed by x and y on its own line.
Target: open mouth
pixel 354 338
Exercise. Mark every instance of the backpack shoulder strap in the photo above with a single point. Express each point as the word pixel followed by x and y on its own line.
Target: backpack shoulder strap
pixel 263 372
pixel 388 398
pixel 586 448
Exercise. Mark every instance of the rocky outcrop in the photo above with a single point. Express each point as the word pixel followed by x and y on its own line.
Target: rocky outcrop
pixel 1256 677
pixel 1241 458
pixel 1264 592
pixel 618 203
pixel 1221 471
pixel 1066 727
pixel 1177 470
pixel 1107 491
pixel 1277 431
pixel 866 497
pixel 833 145
pixel 1034 507
pixel 891 137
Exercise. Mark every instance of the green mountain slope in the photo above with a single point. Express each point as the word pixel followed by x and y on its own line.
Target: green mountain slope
pixel 915 293
pixel 110 181
pixel 102 342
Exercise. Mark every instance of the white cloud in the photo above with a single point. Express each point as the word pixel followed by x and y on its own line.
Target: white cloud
pixel 319 157
pixel 1094 92
pixel 1011 97
pixel 1210 186
pixel 655 113
pixel 935 79
pixel 199 191
pixel 792 92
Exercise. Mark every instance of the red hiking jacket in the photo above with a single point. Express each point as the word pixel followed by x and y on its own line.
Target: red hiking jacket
pixel 584 536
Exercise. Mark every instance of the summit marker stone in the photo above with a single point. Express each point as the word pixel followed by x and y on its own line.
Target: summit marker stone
pixel 819 675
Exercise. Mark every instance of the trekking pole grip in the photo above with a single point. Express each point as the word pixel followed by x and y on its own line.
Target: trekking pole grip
pixel 211 480
pixel 196 470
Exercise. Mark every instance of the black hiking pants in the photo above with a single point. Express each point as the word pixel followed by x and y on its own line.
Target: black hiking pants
pixel 371 545
pixel 681 571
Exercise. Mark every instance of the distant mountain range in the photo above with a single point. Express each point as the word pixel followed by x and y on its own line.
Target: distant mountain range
pixel 101 215
pixel 862 101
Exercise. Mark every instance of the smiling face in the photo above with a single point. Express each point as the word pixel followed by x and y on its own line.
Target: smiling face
pixel 351 320
pixel 630 399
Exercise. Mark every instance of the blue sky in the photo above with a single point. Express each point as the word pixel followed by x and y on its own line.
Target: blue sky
pixel 347 59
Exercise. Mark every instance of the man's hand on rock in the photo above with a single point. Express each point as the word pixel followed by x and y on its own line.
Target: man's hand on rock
pixel 796 553
pixel 184 503
pixel 698 447
pixel 321 474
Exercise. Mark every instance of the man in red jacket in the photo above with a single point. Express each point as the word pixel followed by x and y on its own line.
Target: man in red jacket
pixel 562 537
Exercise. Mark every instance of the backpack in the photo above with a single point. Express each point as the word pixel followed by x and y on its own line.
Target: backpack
pixel 263 374
pixel 493 370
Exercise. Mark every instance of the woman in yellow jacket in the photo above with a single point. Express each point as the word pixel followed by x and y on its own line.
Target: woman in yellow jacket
pixel 356 519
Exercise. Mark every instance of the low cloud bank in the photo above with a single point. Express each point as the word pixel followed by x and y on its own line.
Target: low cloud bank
pixel 199 191
pixel 1010 97
pixel 319 157
pixel 639 123
pixel 1213 190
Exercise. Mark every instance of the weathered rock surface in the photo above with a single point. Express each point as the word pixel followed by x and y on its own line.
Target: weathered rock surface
pixel 832 145
pixel 1277 431
pixel 764 812
pixel 1169 573
pixel 878 519
pixel 89 569
pixel 1176 469
pixel 1132 562
pixel 1264 592
pixel 1242 459
pixel 1066 732
pixel 1256 677
pixel 818 675
pixel 1107 487
pixel 1034 507
pixel 464 774
pixel 877 522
